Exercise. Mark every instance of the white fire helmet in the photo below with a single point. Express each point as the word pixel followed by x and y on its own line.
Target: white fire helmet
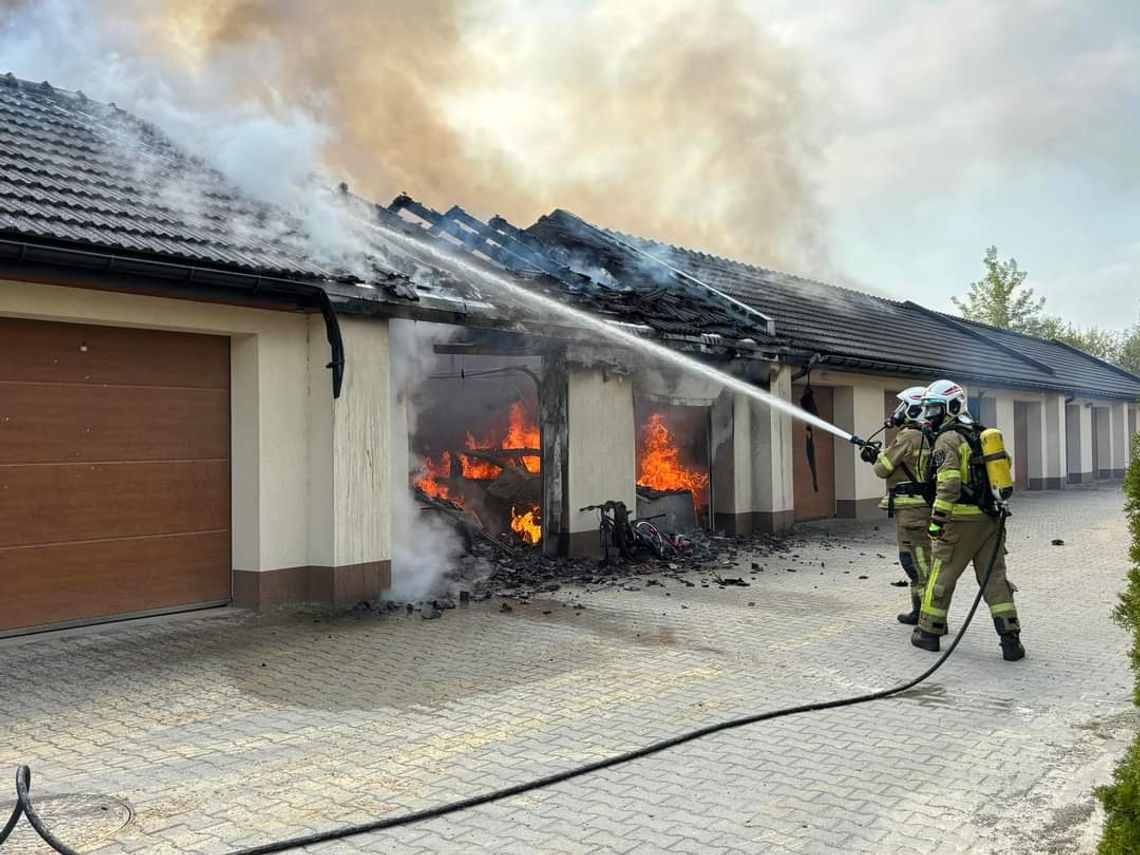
pixel 944 400
pixel 909 411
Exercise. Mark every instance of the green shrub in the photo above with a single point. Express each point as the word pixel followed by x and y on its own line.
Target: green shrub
pixel 1121 798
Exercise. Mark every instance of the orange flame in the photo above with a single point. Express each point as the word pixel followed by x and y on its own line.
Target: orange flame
pixel 522 434
pixel 473 467
pixel 527 525
pixel 430 479
pixel 659 466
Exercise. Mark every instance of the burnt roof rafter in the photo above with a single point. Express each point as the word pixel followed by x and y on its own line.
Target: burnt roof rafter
pixel 673 304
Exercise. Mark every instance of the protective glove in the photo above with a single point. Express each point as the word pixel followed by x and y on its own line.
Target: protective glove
pixel 936 528
pixel 870 452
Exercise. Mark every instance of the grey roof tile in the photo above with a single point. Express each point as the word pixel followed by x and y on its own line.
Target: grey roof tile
pixel 857 330
pixel 76 171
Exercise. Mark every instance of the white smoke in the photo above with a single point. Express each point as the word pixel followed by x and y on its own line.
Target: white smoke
pixel 425 545
pixel 268 149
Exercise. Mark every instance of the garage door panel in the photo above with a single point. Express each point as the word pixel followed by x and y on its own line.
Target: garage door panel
pixel 114 472
pixel 54 424
pixel 54 503
pixel 82 581
pixel 43 352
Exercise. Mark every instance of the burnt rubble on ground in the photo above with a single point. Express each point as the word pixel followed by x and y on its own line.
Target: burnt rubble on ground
pixel 715 561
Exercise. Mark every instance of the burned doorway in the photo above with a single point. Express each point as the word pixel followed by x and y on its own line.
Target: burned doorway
pixel 674 463
pixel 475 442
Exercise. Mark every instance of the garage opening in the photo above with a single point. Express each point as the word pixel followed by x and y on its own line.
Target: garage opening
pixel 476 443
pixel 114 473
pixel 673 463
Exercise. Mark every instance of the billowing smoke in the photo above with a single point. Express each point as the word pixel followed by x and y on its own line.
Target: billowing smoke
pixel 678 120
pixel 425 545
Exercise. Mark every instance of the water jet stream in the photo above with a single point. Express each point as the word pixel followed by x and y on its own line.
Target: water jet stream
pixel 624 337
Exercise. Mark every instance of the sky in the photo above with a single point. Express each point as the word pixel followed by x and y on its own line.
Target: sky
pixel 879 144
pixel 949 125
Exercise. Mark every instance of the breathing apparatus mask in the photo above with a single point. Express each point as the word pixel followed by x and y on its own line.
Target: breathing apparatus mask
pixel 943 403
pixel 909 410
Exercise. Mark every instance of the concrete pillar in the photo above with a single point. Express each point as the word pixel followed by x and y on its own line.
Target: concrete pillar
pixel 350 461
pixel 1121 446
pixel 1078 446
pixel 996 410
pixel 1056 428
pixel 1036 451
pixel 771 450
pixel 1133 428
pixel 732 464
pixel 601 452
pixel 1102 442
pixel 858 409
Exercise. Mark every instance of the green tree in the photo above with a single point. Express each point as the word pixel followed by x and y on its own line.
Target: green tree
pixel 1000 299
pixel 1128 357
pixel 1103 344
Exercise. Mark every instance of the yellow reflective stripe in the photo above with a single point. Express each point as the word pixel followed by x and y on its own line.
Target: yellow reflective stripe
pixel 885 462
pixel 909 501
pixel 949 475
pixel 1002 608
pixel 964 461
pixel 968 511
pixel 920 557
pixel 943 505
pixel 928 594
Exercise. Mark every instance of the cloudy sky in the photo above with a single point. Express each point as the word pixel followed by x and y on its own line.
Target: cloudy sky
pixel 948 125
pixel 880 143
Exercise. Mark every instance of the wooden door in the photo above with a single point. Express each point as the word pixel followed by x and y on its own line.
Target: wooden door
pixel 814 500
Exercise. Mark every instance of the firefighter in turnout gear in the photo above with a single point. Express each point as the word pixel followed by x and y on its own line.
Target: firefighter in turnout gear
pixel 964 525
pixel 903 465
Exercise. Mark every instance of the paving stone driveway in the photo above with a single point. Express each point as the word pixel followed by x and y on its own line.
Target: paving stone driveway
pixel 227 728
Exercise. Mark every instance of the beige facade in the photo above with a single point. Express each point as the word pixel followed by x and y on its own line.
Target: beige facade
pixel 312 478
pixel 601 450
pixel 309 477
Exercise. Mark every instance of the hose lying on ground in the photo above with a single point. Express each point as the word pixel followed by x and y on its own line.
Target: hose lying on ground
pixel 23 774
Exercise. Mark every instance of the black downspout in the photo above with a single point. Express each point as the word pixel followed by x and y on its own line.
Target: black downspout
pixel 336 343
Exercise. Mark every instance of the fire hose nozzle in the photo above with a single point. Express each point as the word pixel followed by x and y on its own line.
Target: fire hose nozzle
pixel 854 439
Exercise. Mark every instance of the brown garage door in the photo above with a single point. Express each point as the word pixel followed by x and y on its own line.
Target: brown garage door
pixel 814 500
pixel 114 472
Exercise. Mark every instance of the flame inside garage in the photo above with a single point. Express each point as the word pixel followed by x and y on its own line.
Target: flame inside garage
pixel 478 445
pixel 673 458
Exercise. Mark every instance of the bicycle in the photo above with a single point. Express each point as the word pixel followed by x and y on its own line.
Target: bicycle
pixel 629 537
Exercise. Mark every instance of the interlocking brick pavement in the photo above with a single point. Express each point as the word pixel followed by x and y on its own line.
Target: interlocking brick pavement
pixel 226 728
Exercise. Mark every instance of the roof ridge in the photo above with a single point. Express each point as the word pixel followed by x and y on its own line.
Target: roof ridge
pixel 957 324
pixel 1102 362
pixel 1043 340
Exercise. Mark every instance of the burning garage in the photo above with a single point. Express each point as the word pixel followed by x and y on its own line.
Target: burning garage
pixel 221 408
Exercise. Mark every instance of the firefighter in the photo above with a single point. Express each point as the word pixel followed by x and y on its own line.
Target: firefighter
pixel 962 529
pixel 903 464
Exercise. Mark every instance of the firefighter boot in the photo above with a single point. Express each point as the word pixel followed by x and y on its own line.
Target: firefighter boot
pixel 1011 649
pixel 925 640
pixel 911 618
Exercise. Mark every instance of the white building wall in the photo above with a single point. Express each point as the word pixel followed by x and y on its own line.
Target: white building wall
pixel 601 450
pixel 1056 442
pixel 773 498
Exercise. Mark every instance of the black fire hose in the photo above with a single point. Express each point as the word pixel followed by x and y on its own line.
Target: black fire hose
pixel 23 774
